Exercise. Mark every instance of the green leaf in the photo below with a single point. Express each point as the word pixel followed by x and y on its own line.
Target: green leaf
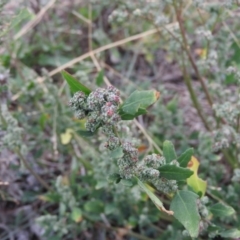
pixel 139 99
pixel 86 163
pixel 198 185
pixel 233 61
pixel 184 206
pixel 84 133
pixel 232 233
pixel 110 208
pixel 185 157
pixel 221 210
pixel 173 172
pixel 153 197
pixel 114 178
pixel 74 85
pixel 100 78
pixel 101 184
pixel 24 14
pixel 94 206
pixel 117 153
pixel 76 215
pixel 127 182
pixel 52 197
pixel 127 116
pixel 169 151
pixel 172 104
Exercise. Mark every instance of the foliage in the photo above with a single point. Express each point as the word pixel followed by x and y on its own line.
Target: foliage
pixel 152 149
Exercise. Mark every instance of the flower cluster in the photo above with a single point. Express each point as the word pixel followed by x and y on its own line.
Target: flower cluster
pixel 166 186
pixel 100 107
pixel 202 207
pixel 79 105
pixel 203 33
pixel 148 171
pixel 119 15
pixel 154 161
pixel 228 110
pixel 204 214
pixel 128 163
pixel 236 175
pixel 224 137
pixel 11 133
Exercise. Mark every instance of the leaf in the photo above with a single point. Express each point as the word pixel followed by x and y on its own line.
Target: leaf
pixel 172 104
pixel 85 163
pixel 52 197
pixel 221 210
pixel 114 178
pixel 76 215
pixel 232 233
pixel 127 116
pixel 66 137
pixel 101 184
pixel 185 157
pixel 173 172
pixel 22 15
pixel 94 206
pixel 139 99
pixel 117 153
pixel 110 208
pixel 74 85
pixel 169 151
pixel 197 184
pixel 127 182
pixel 84 133
pixel 184 205
pixel 153 197
pixel 100 78
pixel 233 61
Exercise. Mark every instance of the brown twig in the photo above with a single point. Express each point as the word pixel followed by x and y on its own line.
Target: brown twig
pixel 190 57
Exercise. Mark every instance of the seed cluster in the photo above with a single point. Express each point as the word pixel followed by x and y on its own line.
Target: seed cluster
pixel 100 109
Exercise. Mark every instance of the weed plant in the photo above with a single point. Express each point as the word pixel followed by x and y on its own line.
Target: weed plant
pixel 140 141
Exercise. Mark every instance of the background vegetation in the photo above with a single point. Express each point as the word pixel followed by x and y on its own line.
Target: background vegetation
pixel 54 180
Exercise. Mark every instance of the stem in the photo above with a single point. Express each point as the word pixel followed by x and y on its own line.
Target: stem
pixel 198 108
pixel 194 99
pixel 150 140
pixel 216 197
pixel 54 137
pixel 44 184
pixel 116 133
pixel 90 27
pixel 186 48
pixel 238 123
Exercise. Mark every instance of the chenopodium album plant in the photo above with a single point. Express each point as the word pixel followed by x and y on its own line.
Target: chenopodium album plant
pixel 175 177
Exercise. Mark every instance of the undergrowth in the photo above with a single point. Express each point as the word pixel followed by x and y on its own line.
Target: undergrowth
pixel 119 120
